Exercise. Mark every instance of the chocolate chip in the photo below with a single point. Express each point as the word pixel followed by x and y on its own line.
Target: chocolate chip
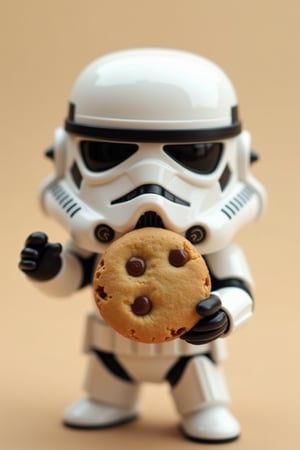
pixel 135 266
pixel 141 306
pixel 101 292
pixel 178 257
pixel 178 332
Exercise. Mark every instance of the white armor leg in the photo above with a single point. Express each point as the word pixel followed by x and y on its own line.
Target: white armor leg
pixel 111 400
pixel 202 400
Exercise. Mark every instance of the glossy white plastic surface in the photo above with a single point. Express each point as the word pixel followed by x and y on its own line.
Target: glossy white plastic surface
pixel 153 88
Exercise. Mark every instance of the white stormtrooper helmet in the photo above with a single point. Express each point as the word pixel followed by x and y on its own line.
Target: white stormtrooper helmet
pixel 152 138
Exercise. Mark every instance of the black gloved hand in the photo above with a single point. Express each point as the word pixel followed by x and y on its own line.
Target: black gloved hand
pixel 213 325
pixel 40 260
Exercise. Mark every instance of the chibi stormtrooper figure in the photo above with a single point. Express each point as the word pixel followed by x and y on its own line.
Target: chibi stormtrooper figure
pixel 152 138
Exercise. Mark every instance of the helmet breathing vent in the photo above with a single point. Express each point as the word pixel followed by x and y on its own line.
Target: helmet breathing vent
pixel 149 219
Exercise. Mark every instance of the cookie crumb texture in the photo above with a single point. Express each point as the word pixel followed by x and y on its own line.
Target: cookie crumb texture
pixel 148 283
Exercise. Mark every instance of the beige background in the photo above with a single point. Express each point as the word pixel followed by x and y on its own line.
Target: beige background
pixel 44 44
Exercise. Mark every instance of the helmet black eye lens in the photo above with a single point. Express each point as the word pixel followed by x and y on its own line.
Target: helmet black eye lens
pixel 100 156
pixel 200 158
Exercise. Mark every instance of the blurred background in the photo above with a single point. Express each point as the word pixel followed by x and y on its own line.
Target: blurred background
pixel 44 45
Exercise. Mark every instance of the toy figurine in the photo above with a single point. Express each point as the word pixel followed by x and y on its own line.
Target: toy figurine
pixel 152 138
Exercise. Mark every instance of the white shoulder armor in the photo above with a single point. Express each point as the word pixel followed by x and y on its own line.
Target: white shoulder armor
pixel 230 262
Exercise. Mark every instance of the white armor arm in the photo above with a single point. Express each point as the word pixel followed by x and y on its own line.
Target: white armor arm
pixel 67 281
pixel 57 273
pixel 232 283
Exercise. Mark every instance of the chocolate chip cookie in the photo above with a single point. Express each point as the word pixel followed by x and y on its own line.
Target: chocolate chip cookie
pixel 147 285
